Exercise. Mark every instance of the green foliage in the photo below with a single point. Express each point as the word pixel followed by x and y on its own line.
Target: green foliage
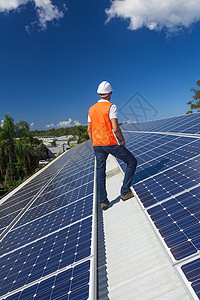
pixel 19 152
pixel 72 130
pixel 85 137
pixel 69 141
pixel 22 129
pixel 81 132
pixel 195 103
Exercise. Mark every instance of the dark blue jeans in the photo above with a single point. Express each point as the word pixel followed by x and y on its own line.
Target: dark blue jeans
pixel 121 152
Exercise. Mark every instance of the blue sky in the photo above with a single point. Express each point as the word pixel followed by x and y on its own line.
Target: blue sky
pixel 53 55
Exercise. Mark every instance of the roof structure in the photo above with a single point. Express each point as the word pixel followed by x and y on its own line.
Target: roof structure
pixel 54 242
pixel 152 241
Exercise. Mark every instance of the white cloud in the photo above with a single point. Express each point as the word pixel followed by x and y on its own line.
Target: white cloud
pixel 6 5
pixel 156 14
pixel 130 121
pixel 76 123
pixel 70 122
pixel 49 125
pixel 64 123
pixel 32 124
pixel 46 11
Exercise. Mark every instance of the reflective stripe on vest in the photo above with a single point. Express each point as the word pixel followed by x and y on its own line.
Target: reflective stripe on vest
pixel 101 126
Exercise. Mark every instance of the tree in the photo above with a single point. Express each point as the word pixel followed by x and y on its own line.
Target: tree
pixel 22 129
pixel 195 103
pixel 7 135
pixel 7 145
pixel 85 137
pixel 20 152
pixel 70 140
pixel 81 132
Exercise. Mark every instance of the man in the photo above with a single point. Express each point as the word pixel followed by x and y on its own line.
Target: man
pixel 107 138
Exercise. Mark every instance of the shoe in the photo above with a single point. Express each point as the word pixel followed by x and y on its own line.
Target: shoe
pixel 128 195
pixel 104 205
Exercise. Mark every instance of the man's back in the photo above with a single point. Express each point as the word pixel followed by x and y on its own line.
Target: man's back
pixel 101 126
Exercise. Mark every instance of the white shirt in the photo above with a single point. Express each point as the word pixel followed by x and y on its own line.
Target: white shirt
pixel 112 112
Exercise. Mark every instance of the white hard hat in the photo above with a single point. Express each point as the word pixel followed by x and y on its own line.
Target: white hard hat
pixel 104 88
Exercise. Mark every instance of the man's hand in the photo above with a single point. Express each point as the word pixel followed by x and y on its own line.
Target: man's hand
pixel 117 131
pixel 123 143
pixel 89 130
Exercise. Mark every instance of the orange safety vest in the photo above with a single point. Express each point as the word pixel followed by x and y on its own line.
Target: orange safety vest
pixel 101 126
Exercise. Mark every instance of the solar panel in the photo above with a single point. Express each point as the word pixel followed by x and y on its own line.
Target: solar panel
pixel 49 253
pixel 166 184
pixel 69 284
pixel 190 272
pixel 182 124
pixel 16 203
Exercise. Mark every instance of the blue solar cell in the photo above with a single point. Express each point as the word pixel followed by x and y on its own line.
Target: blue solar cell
pixel 180 215
pixel 80 281
pixel 183 250
pixel 169 230
pixel 194 208
pixel 81 268
pixel 28 293
pixel 82 294
pixel 193 231
pixel 196 242
pixel 61 290
pixel 175 239
pixel 160 223
pixel 65 276
pixel 196 287
pixel 187 222
pixel 196 191
pixel 192 270
pixel 188 202
pixel 45 296
pixel 160 213
pixel 155 210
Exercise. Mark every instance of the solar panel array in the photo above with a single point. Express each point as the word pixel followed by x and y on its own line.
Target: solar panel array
pixel 167 185
pixel 187 124
pixel 48 231
pixel 47 227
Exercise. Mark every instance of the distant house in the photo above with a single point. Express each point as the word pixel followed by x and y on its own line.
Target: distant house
pixel 58 145
pixel 58 149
